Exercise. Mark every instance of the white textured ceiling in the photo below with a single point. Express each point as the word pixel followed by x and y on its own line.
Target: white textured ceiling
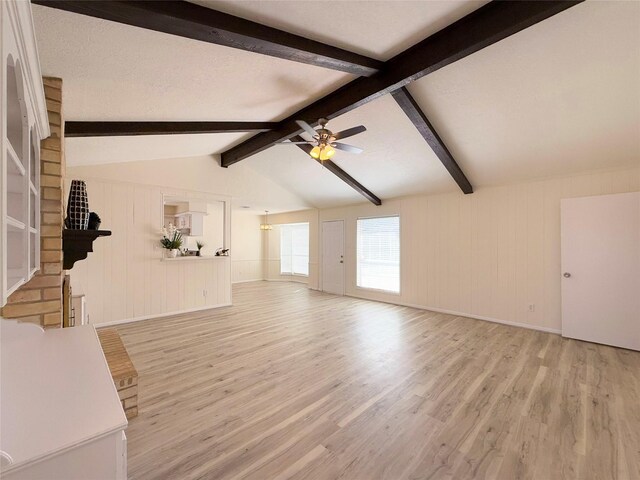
pixel 113 71
pixel 99 150
pixel 396 161
pixel 558 98
pixel 378 29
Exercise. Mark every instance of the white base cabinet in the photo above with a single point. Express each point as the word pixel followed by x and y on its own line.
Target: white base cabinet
pixel 60 414
pixel 102 458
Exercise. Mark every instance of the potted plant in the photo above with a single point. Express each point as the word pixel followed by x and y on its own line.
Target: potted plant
pixel 171 240
pixel 199 244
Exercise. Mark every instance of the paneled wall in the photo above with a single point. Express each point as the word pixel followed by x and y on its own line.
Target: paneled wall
pixel 125 277
pixel 246 247
pixel 491 254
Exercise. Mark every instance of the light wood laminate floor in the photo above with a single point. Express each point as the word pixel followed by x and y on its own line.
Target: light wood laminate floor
pixel 292 383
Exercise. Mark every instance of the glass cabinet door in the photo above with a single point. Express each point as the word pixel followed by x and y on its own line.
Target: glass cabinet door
pixel 34 202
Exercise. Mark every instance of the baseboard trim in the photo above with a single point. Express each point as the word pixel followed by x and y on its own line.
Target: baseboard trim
pixel 248 281
pixel 291 280
pixel 468 315
pixel 160 315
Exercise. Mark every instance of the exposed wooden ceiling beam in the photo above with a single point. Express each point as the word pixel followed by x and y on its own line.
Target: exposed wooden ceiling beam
pixel 421 122
pixel 487 25
pixel 119 129
pixel 193 21
pixel 340 173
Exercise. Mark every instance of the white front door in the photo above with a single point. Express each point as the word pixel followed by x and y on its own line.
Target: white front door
pixel 333 257
pixel 601 269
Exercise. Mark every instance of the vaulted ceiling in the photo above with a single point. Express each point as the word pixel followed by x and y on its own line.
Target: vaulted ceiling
pixel 557 98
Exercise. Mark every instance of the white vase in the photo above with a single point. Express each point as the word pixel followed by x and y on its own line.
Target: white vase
pixel 173 253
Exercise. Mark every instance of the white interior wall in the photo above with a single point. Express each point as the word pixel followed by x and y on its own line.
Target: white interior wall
pixel 271 247
pixel 199 174
pixel 246 247
pixel 487 255
pixel 126 277
pixel 199 177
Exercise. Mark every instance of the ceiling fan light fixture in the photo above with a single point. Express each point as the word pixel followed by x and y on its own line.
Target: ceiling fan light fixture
pixel 323 144
pixel 327 152
pixel 315 152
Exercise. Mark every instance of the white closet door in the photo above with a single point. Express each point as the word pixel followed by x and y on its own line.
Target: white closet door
pixel 601 269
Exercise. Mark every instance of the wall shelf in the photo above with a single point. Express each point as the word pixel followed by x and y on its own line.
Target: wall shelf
pixel 193 258
pixel 76 244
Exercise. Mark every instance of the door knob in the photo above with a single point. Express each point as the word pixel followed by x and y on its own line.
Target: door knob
pixel 566 274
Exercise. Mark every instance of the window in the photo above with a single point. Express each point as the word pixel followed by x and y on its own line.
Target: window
pixel 294 249
pixel 379 253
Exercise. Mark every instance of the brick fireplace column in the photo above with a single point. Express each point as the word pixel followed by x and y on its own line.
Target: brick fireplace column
pixel 40 300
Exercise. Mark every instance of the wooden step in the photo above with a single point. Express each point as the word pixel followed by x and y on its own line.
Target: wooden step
pixel 124 374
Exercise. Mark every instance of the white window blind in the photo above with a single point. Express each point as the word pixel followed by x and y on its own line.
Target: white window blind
pixel 379 253
pixel 294 249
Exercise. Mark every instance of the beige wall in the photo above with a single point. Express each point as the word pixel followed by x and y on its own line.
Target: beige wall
pixel 246 247
pixel 489 255
pixel 271 247
pixel 125 277
pixel 199 174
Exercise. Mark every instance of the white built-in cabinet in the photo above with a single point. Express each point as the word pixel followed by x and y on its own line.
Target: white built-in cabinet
pixel 60 415
pixel 191 222
pixel 23 123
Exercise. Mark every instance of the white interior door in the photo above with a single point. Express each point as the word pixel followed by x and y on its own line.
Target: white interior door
pixel 333 257
pixel 601 269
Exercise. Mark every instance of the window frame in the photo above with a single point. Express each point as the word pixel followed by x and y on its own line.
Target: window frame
pixel 293 274
pixel 379 290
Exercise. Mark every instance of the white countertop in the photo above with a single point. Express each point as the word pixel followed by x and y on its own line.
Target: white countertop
pixel 56 391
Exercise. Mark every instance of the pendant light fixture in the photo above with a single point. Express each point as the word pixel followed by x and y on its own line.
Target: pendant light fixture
pixel 266 225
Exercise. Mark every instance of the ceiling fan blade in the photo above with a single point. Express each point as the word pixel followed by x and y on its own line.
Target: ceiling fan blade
pixel 349 132
pixel 307 128
pixel 347 148
pixel 295 143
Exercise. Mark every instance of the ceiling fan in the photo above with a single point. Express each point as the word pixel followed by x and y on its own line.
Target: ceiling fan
pixel 325 141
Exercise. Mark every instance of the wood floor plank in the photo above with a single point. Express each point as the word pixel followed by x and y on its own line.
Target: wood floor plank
pixel 290 383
